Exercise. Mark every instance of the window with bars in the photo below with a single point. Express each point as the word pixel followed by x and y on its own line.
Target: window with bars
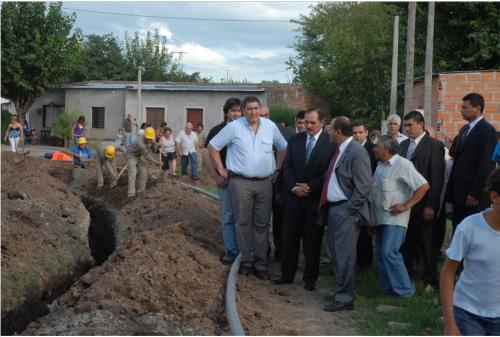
pixel 98 117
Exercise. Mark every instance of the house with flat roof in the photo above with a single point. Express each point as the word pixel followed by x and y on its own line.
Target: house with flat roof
pixel 104 104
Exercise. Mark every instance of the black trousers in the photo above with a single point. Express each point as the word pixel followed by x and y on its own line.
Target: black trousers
pixel 421 235
pixel 277 227
pixel 364 249
pixel 460 213
pixel 300 224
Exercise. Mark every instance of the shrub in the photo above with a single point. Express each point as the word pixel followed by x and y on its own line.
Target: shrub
pixel 5 121
pixel 282 114
pixel 63 125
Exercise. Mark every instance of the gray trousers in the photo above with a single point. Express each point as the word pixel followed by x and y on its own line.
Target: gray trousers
pixel 343 232
pixel 135 165
pixel 110 166
pixel 252 206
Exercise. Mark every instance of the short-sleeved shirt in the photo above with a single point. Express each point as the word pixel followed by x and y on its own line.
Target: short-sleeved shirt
pixel 86 153
pixel 250 154
pixel 187 142
pixel 213 132
pixel 202 138
pixel 394 182
pixel 127 125
pixel 139 148
pixel 101 148
pixel 477 244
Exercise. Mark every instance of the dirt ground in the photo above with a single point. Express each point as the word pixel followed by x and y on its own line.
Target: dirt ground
pixel 44 237
pixel 165 278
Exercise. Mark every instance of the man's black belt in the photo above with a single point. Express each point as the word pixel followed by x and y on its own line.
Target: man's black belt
pixel 335 203
pixel 232 174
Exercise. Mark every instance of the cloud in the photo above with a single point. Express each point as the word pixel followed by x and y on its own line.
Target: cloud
pixel 146 26
pixel 261 55
pixel 197 54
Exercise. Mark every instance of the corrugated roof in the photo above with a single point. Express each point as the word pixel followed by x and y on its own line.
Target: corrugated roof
pixel 163 86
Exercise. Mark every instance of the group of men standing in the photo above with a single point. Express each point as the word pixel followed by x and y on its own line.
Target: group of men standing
pixel 335 177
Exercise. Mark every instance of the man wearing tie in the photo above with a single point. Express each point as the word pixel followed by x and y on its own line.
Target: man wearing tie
pixel 304 167
pixel 345 206
pixel 471 161
pixel 427 155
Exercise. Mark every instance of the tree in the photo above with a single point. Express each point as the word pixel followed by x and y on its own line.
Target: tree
pixel 344 54
pixel 63 125
pixel 38 50
pixel 151 53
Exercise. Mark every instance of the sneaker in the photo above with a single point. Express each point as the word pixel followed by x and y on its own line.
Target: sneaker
pixel 226 259
pixel 195 177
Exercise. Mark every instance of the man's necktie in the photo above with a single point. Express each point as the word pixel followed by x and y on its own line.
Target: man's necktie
pixel 309 147
pixel 328 176
pixel 411 149
pixel 465 133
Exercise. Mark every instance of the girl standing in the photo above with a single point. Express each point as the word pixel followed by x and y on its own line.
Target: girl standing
pixel 78 130
pixel 14 133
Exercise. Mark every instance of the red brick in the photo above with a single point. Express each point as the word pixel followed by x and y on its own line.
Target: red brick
pixel 492 107
pixel 456 117
pixel 493 86
pixel 492 117
pixel 473 77
pixel 488 76
pixel 457 77
pixel 478 87
pixel 488 96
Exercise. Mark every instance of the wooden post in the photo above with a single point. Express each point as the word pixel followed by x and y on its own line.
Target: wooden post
pixel 394 76
pixel 428 66
pixel 410 54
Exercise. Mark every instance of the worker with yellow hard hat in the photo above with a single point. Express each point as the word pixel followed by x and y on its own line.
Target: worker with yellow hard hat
pixel 106 154
pixel 138 153
pixel 82 155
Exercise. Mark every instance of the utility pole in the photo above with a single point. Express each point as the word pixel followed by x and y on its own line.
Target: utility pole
pixel 394 76
pixel 410 54
pixel 428 65
pixel 227 76
pixel 140 117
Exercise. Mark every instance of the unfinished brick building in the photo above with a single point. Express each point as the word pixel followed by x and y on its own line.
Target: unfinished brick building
pixel 448 89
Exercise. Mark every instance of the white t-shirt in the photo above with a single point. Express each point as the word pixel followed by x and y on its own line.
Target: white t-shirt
pixel 478 245
pixel 187 142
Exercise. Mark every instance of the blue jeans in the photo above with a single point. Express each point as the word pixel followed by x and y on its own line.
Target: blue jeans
pixel 470 324
pixel 391 267
pixel 227 218
pixel 184 164
pixel 129 139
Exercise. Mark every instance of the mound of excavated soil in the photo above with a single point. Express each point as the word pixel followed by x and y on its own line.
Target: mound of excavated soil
pixel 163 278
pixel 160 273
pixel 44 237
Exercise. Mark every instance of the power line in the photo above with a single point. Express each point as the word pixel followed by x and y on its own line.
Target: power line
pixel 179 18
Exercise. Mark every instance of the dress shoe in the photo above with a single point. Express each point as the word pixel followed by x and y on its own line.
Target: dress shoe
pixel 281 280
pixel 330 297
pixel 245 270
pixel 261 274
pixel 338 306
pixel 309 286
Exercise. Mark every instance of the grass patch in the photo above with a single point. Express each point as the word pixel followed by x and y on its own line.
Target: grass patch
pixel 422 312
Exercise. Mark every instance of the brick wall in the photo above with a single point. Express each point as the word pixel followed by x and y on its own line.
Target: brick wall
pixel 293 96
pixel 452 87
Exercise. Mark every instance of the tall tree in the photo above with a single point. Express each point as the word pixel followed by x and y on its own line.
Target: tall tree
pixel 344 54
pixel 102 58
pixel 38 50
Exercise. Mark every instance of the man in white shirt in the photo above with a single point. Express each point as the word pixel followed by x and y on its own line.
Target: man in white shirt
pixel 187 146
pixel 344 199
pixel 397 187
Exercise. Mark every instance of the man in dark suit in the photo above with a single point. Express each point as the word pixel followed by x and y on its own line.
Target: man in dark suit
pixel 304 168
pixel 472 161
pixel 288 132
pixel 345 200
pixel 364 247
pixel 427 155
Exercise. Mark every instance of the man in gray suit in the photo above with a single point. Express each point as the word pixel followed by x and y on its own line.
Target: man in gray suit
pixel 344 204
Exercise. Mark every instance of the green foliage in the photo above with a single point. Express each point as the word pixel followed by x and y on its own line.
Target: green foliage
pixel 344 55
pixel 5 121
pixel 282 114
pixel 38 50
pixel 63 124
pixel 344 49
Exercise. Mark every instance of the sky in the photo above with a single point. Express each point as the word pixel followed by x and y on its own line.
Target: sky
pixel 237 50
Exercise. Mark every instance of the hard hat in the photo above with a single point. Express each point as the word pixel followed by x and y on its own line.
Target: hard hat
pixel 82 140
pixel 109 152
pixel 149 133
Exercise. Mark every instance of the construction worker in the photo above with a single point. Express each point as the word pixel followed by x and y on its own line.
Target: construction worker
pixel 106 152
pixel 137 154
pixel 82 155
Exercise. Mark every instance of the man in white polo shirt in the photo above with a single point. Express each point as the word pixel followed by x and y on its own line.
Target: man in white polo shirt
pixel 187 145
